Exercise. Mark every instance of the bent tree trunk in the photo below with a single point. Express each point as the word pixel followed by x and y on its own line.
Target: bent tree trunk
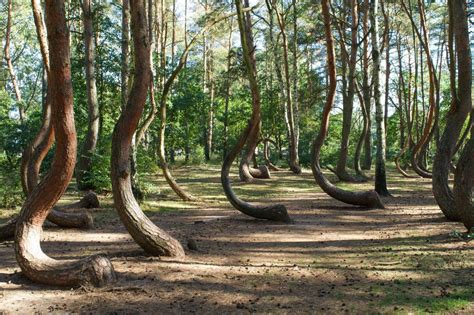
pixel 460 106
pixel 85 160
pixel 266 154
pixel 368 199
pixel 249 136
pixel 36 151
pixel 152 239
pixel 34 263
pixel 424 40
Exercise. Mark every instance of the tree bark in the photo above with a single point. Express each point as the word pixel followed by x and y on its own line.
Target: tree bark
pixel 368 199
pixel 250 135
pixel 34 263
pixel 293 159
pixel 125 51
pixel 380 175
pixel 36 151
pixel 424 40
pixel 84 165
pixel 152 239
pixel 366 89
pixel 461 104
pixel 348 104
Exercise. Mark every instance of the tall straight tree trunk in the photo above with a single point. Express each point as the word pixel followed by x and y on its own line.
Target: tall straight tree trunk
pixel 152 239
pixel 227 90
pixel 125 51
pixel 380 175
pixel 387 63
pixel 9 62
pixel 294 158
pixel 461 104
pixel 84 165
pixel 296 101
pixel 366 89
pixel 250 136
pixel 34 263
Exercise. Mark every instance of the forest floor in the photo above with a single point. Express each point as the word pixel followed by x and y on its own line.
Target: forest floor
pixel 333 259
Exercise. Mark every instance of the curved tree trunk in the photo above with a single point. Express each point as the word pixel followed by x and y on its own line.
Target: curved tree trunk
pixel 368 199
pixel 151 238
pixel 250 135
pixel 34 154
pixel 424 40
pixel 34 263
pixel 266 154
pixel 84 164
pixel 461 104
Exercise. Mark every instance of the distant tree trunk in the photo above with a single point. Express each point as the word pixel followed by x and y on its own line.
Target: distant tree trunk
pixel 125 51
pixel 251 133
pixel 456 209
pixel 386 18
pixel 380 176
pixel 368 198
pixel 151 238
pixel 35 264
pixel 366 89
pixel 365 130
pixel 294 159
pixel 84 165
pixel 9 62
pixel 348 106
pixel 405 100
pixel 227 90
pixel 266 154
pixel 424 40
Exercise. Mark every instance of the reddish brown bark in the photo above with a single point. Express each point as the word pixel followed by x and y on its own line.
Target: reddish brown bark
pixel 250 136
pixel 368 198
pixel 34 263
pixel 151 238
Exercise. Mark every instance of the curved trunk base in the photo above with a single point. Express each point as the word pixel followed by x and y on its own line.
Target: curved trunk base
pixel 368 199
pixel 262 172
pixel 94 270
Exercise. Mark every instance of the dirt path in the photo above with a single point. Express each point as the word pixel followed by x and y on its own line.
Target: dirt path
pixel 333 259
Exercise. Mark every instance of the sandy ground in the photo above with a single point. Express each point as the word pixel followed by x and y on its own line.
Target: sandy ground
pixel 333 259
